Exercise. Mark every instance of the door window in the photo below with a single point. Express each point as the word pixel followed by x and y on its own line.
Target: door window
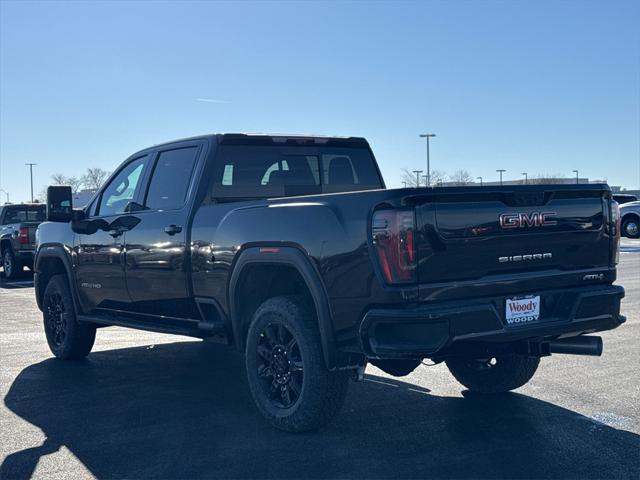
pixel 122 189
pixel 170 180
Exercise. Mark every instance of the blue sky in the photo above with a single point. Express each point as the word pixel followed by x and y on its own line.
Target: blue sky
pixel 542 87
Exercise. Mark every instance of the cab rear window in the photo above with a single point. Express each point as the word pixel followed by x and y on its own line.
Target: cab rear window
pixel 24 214
pixel 280 170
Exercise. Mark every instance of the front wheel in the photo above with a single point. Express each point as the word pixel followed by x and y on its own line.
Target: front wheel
pixel 67 338
pixel 288 379
pixel 497 374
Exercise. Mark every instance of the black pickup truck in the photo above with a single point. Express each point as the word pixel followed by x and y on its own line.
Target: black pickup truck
pixel 292 249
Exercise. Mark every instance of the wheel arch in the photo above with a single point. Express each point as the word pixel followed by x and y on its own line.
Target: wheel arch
pixel 52 260
pixel 288 259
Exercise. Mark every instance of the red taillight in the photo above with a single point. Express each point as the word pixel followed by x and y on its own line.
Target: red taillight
pixel 394 242
pixel 23 235
pixel 615 226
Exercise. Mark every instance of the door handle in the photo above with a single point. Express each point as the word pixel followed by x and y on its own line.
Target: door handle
pixel 172 229
pixel 116 232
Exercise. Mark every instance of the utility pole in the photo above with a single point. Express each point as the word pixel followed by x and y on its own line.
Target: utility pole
pixel 428 136
pixel 6 193
pixel 577 178
pixel 501 171
pixel 526 177
pixel 417 172
pixel 479 178
pixel 31 174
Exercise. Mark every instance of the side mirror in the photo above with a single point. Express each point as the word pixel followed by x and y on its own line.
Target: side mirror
pixel 59 204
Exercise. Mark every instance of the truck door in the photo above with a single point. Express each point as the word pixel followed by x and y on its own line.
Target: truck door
pixel 100 272
pixel 157 263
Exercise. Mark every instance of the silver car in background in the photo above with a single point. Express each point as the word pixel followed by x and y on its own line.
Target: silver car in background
pixel 630 219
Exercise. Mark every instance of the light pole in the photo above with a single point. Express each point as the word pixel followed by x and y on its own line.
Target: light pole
pixel 417 172
pixel 31 174
pixel 6 193
pixel 526 177
pixel 404 183
pixel 428 136
pixel 501 171
pixel 480 178
pixel 577 178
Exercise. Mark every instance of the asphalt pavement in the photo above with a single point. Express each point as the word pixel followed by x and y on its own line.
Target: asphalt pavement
pixel 146 405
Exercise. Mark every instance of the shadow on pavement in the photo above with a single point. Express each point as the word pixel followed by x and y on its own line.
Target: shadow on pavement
pixel 24 280
pixel 183 410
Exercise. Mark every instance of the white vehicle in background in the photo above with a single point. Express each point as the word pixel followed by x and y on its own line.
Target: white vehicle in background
pixel 630 219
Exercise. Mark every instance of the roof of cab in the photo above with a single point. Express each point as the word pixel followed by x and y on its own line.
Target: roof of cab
pixel 262 138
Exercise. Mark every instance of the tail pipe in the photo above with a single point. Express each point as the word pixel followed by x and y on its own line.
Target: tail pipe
pixel 581 345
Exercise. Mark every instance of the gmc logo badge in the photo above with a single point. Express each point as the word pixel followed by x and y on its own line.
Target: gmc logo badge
pixel 522 220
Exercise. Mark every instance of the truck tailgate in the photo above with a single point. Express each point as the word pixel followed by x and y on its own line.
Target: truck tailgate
pixel 501 232
pixel 31 228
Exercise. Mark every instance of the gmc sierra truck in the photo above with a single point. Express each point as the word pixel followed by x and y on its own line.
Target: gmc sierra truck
pixel 292 249
pixel 18 224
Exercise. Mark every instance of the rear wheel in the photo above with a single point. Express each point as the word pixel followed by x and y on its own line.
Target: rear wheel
pixel 67 338
pixel 288 379
pixel 631 228
pixel 12 267
pixel 493 375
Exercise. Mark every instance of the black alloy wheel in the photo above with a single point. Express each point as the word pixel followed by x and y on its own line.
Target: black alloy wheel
pixel 67 338
pixel 280 365
pixel 55 318
pixel 286 370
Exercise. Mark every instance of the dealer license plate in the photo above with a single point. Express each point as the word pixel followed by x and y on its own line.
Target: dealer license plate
pixel 522 310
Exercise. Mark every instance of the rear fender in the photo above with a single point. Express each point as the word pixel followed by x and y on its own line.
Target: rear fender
pixel 293 257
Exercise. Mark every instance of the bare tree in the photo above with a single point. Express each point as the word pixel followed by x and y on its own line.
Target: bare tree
pixel 409 178
pixel 94 178
pixel 58 179
pixel 461 177
pixel 42 196
pixel 74 182
pixel 545 178
pixel 438 177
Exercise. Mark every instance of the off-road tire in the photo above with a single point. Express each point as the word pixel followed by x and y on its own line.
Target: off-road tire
pixel 68 339
pixel 12 268
pixel 483 376
pixel 322 392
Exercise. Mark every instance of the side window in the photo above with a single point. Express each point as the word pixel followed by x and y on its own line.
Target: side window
pixel 122 189
pixel 170 179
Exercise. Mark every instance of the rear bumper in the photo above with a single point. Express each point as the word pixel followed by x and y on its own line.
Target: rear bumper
pixel 437 329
